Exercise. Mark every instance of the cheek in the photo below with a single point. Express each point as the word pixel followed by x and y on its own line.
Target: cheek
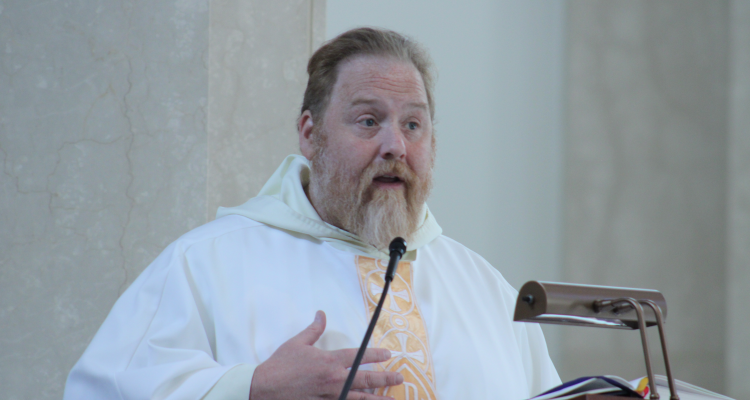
pixel 352 158
pixel 421 158
pixel 357 153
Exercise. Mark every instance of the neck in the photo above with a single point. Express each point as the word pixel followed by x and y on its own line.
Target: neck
pixel 312 198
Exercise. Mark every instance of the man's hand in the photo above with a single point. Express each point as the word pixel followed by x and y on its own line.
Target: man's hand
pixel 297 370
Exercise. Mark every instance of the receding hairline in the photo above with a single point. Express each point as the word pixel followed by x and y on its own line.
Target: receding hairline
pixel 359 43
pixel 420 84
pixel 412 104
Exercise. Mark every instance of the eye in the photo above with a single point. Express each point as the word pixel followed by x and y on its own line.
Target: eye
pixel 412 126
pixel 369 122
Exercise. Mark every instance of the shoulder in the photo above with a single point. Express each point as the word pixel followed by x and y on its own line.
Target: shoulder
pixel 228 225
pixel 205 240
pixel 174 253
pixel 232 231
pixel 456 269
pixel 214 245
pixel 445 252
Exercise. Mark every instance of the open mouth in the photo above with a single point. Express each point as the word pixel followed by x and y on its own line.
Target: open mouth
pixel 388 179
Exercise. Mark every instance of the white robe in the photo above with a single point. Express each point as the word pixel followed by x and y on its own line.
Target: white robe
pixel 222 298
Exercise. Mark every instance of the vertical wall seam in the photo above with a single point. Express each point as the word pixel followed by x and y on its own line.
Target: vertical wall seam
pixel 311 30
pixel 208 115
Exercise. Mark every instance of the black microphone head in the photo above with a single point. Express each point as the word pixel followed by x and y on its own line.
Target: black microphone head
pixel 398 245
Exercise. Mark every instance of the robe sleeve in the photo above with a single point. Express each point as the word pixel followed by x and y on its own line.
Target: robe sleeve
pixel 235 384
pixel 538 369
pixel 541 373
pixel 154 344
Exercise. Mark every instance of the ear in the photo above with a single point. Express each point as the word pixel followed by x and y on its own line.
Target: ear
pixel 305 131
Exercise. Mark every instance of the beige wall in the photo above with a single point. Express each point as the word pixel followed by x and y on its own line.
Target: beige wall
pixel 121 124
pixel 656 180
pixel 103 138
pixel 258 56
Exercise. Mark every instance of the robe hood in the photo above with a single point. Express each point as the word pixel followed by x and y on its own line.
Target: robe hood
pixel 282 203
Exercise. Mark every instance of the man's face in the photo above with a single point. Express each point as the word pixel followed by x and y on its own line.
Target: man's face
pixel 373 153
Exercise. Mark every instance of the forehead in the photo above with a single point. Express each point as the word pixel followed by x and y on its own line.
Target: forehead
pixel 367 76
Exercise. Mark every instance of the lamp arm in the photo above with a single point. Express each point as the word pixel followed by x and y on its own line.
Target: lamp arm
pixel 662 336
pixel 600 304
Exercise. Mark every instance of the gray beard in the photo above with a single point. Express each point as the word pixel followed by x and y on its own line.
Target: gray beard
pixel 349 200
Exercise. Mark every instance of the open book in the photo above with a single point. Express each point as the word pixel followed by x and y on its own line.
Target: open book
pixel 610 385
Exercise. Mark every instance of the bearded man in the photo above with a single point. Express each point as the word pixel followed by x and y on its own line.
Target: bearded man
pixel 223 312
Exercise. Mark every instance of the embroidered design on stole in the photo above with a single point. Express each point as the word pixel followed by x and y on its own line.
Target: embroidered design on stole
pixel 400 328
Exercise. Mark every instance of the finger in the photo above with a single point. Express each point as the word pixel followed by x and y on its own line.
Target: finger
pixel 312 333
pixel 374 380
pixel 376 355
pixel 365 396
pixel 372 355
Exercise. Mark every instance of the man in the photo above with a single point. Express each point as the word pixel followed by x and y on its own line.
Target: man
pixel 223 312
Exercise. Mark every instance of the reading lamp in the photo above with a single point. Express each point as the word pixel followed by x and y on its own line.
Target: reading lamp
pixel 598 306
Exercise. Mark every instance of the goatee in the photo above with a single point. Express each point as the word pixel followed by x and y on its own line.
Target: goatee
pixel 351 201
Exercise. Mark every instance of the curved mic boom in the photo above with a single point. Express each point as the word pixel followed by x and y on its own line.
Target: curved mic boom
pixel 397 249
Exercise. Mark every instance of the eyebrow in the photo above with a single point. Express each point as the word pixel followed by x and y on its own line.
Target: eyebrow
pixel 417 105
pixel 361 101
pixel 373 102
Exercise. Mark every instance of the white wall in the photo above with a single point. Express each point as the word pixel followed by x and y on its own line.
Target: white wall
pixel 499 121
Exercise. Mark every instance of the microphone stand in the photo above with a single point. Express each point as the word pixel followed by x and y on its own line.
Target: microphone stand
pixel 397 249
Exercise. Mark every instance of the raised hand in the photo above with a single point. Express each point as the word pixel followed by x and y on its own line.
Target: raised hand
pixel 297 370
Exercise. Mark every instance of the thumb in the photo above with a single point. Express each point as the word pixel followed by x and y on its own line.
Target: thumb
pixel 312 333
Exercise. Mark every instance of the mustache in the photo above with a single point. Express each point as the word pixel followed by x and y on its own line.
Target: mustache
pixel 365 189
pixel 390 167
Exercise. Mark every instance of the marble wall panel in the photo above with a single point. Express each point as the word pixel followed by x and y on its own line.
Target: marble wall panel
pixel 103 154
pixel 645 177
pixel 257 75
pixel 738 212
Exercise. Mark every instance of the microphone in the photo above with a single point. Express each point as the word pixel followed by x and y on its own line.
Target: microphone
pixel 397 248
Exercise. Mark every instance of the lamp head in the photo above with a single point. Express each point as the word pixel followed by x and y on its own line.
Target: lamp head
pixel 583 305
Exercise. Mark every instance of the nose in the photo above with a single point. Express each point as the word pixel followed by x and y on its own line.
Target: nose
pixel 392 146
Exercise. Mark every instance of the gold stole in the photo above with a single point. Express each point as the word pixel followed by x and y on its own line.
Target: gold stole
pixel 400 328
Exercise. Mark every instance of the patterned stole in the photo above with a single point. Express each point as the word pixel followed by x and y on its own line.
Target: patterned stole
pixel 400 328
